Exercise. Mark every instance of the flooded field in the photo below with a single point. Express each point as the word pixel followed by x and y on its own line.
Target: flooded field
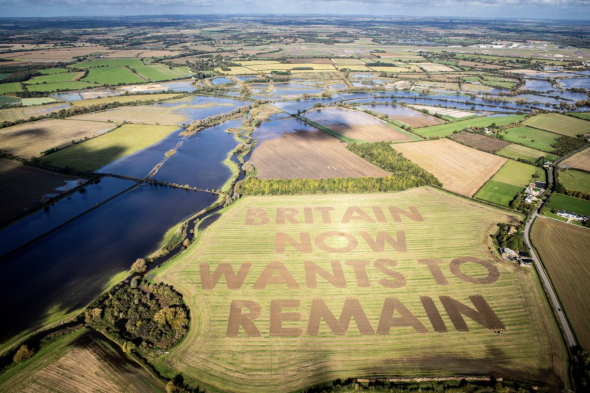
pixel 405 115
pixel 70 266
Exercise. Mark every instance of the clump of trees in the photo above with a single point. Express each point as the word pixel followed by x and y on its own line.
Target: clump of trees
pixel 145 318
pixel 23 353
pixel 566 144
pixel 582 369
pixel 514 240
pixel 139 266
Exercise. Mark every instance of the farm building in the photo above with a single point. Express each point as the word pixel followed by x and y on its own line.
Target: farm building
pixel 509 254
pixel 571 216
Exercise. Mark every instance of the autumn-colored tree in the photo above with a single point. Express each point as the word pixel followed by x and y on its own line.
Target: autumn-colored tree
pixel 23 354
pixel 139 266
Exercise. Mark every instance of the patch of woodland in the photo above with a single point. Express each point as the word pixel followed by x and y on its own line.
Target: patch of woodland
pixel 510 237
pixel 567 144
pixel 143 318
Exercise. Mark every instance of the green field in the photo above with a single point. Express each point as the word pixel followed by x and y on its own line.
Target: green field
pixel 10 87
pixel 125 98
pixel 531 137
pixel 558 123
pixel 109 63
pixel 100 151
pixel 112 76
pixel 585 116
pixel 517 173
pixel 389 337
pixel 511 179
pixel 497 192
pixel 53 87
pixel 575 180
pixel 515 151
pixel 161 72
pixel 38 101
pixel 53 78
pixel 443 130
pixel 570 204
pixel 8 100
pixel 51 71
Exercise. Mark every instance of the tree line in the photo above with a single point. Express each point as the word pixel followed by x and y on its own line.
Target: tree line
pixel 404 174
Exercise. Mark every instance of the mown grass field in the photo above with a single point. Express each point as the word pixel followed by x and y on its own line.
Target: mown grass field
pixel 53 87
pixel 575 180
pixel 517 173
pixel 25 113
pixel 568 203
pixel 497 192
pixel 516 152
pixel 161 72
pixel 558 123
pixel 81 361
pixel 447 129
pixel 38 101
pixel 508 182
pixel 585 116
pixel 109 63
pixel 10 87
pixel 98 152
pixel 531 137
pixel 123 99
pixel 112 76
pixel 149 114
pixel 9 100
pixel 54 78
pixel 564 249
pixel 52 71
pixel 452 227
pixel 31 139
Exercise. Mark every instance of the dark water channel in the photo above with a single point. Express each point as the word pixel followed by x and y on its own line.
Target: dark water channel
pixel 67 268
pixel 60 212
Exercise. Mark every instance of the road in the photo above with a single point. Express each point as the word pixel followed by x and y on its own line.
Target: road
pixel 566 329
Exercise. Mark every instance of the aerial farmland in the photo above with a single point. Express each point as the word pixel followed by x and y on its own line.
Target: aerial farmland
pixel 290 203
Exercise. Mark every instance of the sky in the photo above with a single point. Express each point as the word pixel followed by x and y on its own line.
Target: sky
pixel 549 9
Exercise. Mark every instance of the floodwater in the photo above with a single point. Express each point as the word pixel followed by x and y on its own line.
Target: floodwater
pixel 198 162
pixel 140 163
pixel 575 82
pixel 397 110
pixel 278 125
pixel 301 105
pixel 67 268
pixel 179 86
pixel 247 78
pixel 221 81
pixel 60 212
pixel 204 106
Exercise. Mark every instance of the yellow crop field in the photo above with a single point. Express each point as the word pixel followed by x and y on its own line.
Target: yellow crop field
pixel 460 169
pixel 31 139
pixel 275 284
